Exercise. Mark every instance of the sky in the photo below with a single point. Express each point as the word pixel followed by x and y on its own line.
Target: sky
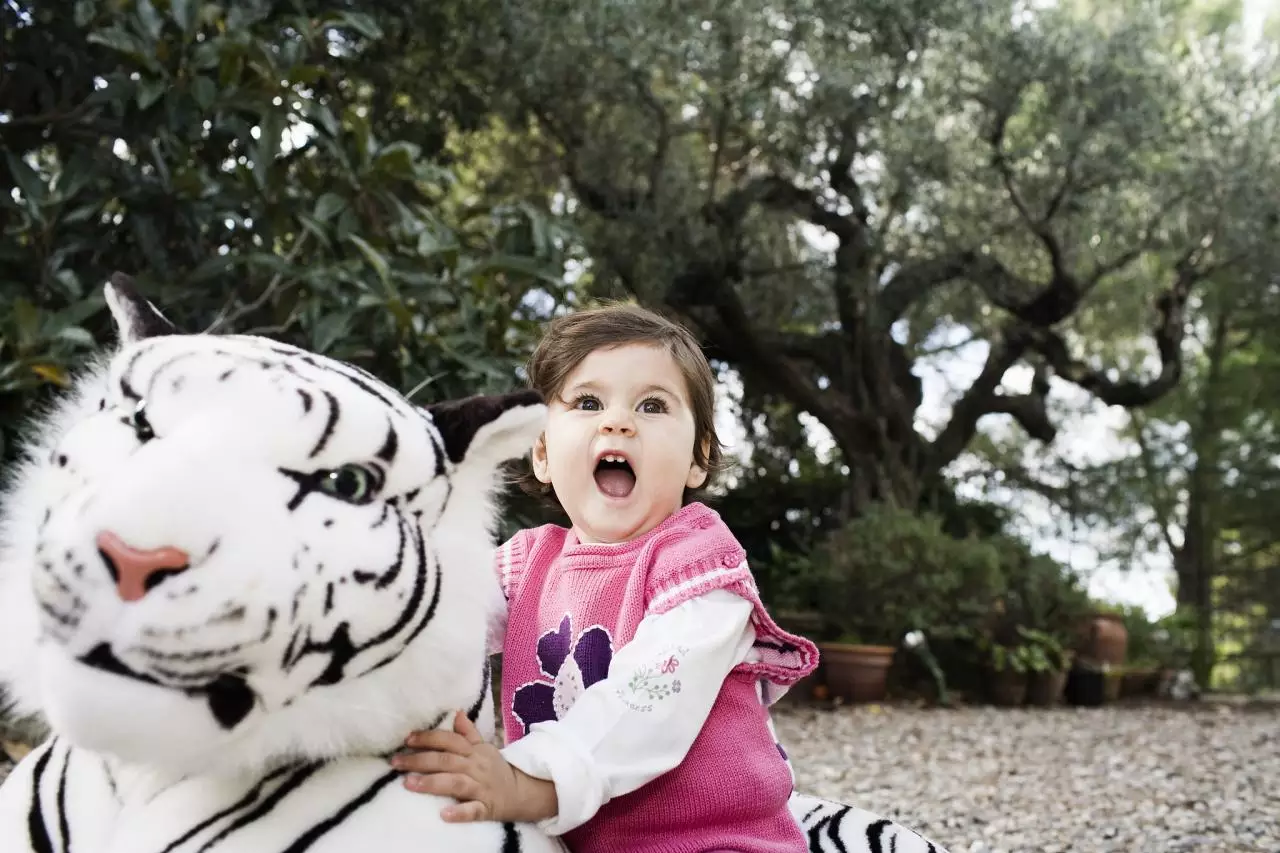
pixel 1255 11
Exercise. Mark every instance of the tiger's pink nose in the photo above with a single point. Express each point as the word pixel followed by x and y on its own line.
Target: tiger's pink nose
pixel 136 571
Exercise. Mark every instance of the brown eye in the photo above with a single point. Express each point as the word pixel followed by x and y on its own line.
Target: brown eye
pixel 653 406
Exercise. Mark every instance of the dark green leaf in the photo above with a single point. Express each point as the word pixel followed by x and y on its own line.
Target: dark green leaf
pixel 26 179
pixel 150 90
pixel 76 335
pixel 85 10
pixel 374 257
pixel 365 25
pixel 117 39
pixel 328 206
pixel 397 160
pixel 26 318
pixel 150 19
pixel 184 14
pixel 204 91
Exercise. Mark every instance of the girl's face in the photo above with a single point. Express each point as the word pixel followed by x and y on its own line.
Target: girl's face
pixel 618 446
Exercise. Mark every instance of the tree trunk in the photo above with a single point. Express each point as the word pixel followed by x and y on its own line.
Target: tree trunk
pixel 1195 562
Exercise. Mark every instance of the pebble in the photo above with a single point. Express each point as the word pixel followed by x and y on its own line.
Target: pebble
pixel 1152 778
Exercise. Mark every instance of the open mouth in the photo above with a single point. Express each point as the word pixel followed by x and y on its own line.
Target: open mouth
pixel 614 476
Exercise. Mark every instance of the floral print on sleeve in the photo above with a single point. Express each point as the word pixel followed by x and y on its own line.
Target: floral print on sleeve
pixel 653 682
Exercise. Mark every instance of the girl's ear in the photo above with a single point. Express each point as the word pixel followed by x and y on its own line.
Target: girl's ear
pixel 698 474
pixel 538 456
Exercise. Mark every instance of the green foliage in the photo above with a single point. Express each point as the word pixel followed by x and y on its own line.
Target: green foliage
pixel 782 502
pixel 892 571
pixel 1040 594
pixel 251 164
pixel 830 192
pixel 1021 659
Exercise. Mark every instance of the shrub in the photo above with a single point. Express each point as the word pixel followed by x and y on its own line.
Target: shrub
pixel 890 571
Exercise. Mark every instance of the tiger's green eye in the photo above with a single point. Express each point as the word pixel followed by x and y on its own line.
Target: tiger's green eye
pixel 141 426
pixel 351 483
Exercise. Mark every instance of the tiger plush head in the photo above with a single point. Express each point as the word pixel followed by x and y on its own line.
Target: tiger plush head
pixel 221 552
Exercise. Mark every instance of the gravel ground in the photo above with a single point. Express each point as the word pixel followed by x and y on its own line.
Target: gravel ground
pixel 1203 779
pixel 1150 779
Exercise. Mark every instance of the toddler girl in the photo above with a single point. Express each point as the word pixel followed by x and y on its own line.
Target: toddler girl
pixel 638 661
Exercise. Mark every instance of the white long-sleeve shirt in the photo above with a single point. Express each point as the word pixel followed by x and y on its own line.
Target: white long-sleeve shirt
pixel 621 733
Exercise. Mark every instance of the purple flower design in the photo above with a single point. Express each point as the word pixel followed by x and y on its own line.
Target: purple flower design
pixel 568 667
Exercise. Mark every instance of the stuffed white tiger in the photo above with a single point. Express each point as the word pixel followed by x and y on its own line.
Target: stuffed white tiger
pixel 234 576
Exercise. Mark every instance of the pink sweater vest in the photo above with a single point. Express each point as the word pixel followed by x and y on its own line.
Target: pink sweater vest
pixel 568 600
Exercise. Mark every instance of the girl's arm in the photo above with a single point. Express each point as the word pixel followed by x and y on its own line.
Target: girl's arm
pixel 640 720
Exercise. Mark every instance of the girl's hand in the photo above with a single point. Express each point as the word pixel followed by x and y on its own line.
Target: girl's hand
pixel 460 764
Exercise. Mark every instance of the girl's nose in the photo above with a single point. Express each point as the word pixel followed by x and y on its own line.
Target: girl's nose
pixel 617 422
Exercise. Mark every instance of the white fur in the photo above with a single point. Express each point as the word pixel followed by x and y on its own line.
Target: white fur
pixel 213 476
pixel 228 415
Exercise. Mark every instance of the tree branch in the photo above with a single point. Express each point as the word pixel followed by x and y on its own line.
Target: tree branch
pixel 663 140
pixel 779 193
pixel 914 281
pixel 982 399
pixel 1039 225
pixel 706 296
pixel 1168 334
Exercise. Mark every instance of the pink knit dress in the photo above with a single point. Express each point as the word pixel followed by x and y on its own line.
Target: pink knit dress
pixel 569 600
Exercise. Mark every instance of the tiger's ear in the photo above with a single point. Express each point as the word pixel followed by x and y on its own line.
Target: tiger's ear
pixel 135 317
pixel 489 429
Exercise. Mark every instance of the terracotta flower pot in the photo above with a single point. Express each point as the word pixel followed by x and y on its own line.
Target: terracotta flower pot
pixel 1044 690
pixel 1008 688
pixel 1106 639
pixel 856 673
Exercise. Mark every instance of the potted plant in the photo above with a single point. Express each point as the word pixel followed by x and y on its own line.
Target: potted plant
pixel 1009 667
pixel 855 671
pixel 883 575
pixel 1050 662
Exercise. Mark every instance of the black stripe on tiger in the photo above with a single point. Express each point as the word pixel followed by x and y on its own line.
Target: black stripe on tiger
pixel 331 421
pixel 833 828
pixel 510 838
pixel 387 453
pixel 431 607
pixel 126 388
pixel 37 832
pixel 357 377
pixel 315 833
pixel 392 571
pixel 243 803
pixel 473 713
pixel 64 826
pixel 815 834
pixel 342 650
pixel 875 835
pixel 255 814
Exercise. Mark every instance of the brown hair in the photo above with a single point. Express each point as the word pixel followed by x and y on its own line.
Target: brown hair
pixel 571 338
